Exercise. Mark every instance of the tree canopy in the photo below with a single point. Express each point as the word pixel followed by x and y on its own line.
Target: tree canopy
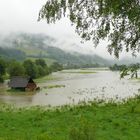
pixel 16 69
pixel 115 20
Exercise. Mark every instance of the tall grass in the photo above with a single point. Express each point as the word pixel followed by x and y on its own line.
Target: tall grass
pixel 93 121
pixel 85 131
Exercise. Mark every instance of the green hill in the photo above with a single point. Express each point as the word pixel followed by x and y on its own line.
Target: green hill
pixel 12 53
pixel 75 59
pixel 35 46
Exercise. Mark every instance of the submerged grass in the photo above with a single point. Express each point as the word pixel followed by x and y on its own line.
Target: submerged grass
pixel 80 72
pixel 46 78
pixel 9 91
pixel 110 121
pixel 54 86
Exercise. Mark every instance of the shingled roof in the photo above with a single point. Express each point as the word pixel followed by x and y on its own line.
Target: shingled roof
pixel 19 82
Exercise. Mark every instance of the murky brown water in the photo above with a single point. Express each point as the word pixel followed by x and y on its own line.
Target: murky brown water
pixel 78 87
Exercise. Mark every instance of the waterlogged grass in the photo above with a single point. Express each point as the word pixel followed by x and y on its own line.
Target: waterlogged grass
pixel 95 121
pixel 15 92
pixel 138 79
pixel 46 78
pixel 4 90
pixel 80 72
pixel 54 86
pixel 18 92
pixel 97 69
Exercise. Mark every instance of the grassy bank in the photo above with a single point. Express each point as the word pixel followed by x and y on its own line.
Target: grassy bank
pixel 79 72
pixel 83 122
pixel 46 78
pixel 54 86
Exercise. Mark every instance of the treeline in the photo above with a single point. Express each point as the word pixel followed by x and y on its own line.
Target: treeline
pixel 33 69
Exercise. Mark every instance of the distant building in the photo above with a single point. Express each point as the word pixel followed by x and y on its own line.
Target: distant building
pixel 23 83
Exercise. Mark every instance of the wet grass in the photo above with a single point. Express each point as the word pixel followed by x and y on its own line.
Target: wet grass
pixel 46 78
pixel 9 91
pixel 18 92
pixel 4 90
pixel 54 86
pixel 80 72
pixel 15 90
pixel 109 121
pixel 97 69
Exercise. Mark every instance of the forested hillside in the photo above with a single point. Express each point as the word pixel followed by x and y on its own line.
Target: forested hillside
pixel 12 53
pixel 22 46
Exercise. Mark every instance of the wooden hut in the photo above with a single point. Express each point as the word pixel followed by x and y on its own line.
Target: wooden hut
pixel 22 83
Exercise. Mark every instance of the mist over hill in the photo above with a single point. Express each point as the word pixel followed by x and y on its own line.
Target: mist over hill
pixel 18 39
pixel 21 46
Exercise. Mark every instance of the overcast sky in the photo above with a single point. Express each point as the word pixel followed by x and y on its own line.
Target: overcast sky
pixel 21 15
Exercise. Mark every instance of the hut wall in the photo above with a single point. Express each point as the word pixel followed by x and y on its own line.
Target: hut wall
pixel 31 86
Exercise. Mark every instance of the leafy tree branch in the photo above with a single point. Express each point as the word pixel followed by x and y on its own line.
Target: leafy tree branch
pixel 115 20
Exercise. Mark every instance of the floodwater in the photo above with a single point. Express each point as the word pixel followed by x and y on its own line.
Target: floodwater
pixel 74 87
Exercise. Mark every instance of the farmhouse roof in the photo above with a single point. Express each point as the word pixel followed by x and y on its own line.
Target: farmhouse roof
pixel 19 81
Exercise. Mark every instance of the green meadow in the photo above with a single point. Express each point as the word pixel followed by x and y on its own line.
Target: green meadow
pixel 93 121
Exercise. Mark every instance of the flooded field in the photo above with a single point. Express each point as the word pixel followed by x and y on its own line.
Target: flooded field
pixel 74 86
